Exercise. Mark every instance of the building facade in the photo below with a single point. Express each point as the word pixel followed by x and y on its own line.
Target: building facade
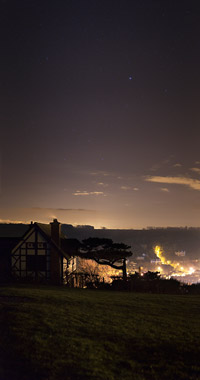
pixel 38 255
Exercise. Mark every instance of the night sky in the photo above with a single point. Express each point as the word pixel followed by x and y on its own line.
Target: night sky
pixel 99 112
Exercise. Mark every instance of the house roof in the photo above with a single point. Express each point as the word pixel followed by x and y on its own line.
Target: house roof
pixel 13 230
pixel 45 230
pixel 7 244
pixel 12 235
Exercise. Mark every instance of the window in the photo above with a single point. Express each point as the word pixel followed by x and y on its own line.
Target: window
pixel 30 245
pixel 41 245
pixel 34 245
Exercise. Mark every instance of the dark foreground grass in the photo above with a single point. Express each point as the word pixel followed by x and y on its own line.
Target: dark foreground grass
pixel 57 333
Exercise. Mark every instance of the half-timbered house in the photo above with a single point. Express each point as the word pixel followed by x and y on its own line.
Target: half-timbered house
pixel 37 255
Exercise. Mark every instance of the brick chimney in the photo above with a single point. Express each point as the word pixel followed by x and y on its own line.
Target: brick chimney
pixel 55 231
pixel 55 257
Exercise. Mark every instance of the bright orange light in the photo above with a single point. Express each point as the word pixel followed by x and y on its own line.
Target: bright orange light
pixel 176 265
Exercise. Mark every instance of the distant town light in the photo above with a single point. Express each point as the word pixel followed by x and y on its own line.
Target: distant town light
pixel 180 253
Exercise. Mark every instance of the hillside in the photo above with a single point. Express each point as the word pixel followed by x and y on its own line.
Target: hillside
pixel 52 333
pixel 171 239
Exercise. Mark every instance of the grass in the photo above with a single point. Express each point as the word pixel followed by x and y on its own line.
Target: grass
pixel 57 333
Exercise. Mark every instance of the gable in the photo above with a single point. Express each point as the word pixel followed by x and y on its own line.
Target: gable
pixel 31 256
pixel 29 236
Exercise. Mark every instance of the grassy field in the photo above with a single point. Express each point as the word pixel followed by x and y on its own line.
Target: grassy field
pixel 58 333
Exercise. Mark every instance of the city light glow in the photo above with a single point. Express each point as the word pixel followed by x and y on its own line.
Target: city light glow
pixel 174 268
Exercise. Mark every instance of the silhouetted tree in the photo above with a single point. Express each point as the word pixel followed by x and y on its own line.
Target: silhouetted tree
pixel 105 252
pixel 193 289
pixel 169 286
pixel 70 246
pixel 151 276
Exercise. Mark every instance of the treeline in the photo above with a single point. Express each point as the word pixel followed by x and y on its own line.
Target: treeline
pixel 143 241
pixel 149 282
